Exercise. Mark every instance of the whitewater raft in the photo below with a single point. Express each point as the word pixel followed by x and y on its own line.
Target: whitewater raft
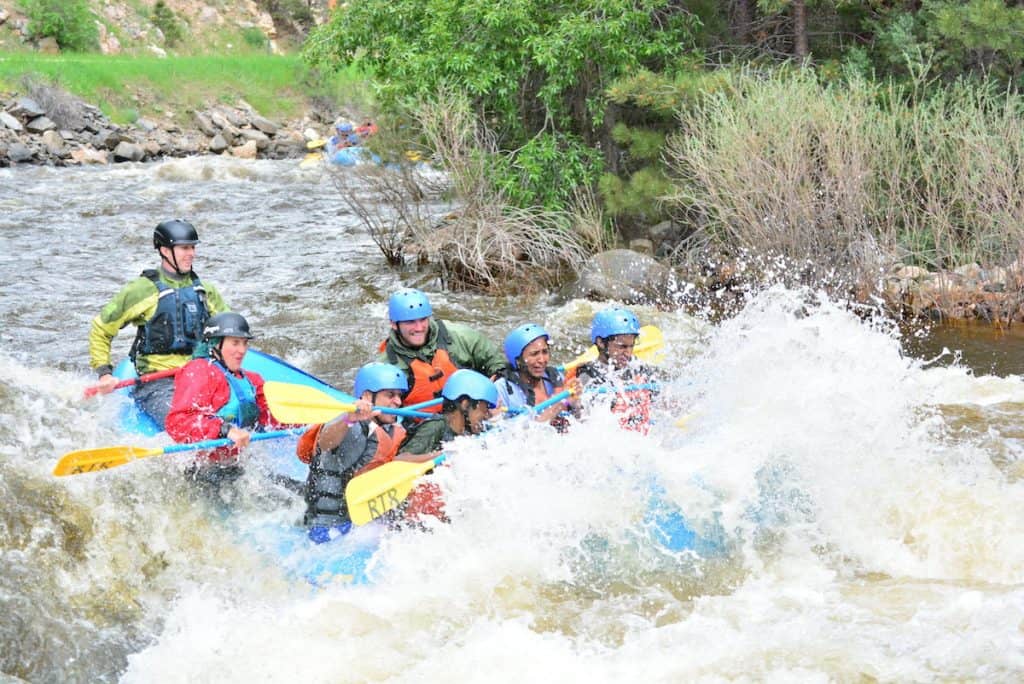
pixel 347 558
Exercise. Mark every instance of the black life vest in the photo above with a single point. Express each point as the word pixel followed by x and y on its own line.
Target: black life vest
pixel 177 324
pixel 329 473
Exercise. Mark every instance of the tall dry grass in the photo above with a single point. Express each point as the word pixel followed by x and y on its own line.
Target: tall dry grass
pixel 487 244
pixel 848 179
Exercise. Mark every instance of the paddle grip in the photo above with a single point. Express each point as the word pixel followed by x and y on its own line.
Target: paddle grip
pixel 90 391
pixel 215 443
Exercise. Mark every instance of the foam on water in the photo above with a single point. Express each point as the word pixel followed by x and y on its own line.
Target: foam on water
pixel 868 503
pixel 869 540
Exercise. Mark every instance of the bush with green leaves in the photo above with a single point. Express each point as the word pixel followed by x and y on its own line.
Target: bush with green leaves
pixel 70 22
pixel 545 171
pixel 166 20
pixel 535 71
pixel 254 37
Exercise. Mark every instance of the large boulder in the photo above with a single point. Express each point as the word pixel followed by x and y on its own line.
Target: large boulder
pixel 87 155
pixel 26 108
pixel 8 121
pixel 54 143
pixel 126 151
pixel 257 137
pixel 40 124
pixel 19 152
pixel 265 125
pixel 246 151
pixel 623 275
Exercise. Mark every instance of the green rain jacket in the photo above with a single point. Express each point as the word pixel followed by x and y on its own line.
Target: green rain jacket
pixel 467 349
pixel 136 304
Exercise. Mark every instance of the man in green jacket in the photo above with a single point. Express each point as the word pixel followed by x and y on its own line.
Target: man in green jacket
pixel 169 305
pixel 429 350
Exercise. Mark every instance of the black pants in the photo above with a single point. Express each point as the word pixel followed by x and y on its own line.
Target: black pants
pixel 154 398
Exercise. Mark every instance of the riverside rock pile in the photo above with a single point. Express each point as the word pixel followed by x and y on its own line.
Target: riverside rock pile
pixel 57 129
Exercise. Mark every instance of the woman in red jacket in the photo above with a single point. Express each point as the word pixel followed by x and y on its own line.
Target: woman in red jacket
pixel 215 398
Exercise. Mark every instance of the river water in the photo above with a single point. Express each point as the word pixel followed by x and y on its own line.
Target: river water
pixel 867 483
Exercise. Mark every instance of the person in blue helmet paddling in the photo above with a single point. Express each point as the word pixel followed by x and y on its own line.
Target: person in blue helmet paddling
pixel 349 445
pixel 468 398
pixel 169 305
pixel 615 332
pixel 430 350
pixel 529 379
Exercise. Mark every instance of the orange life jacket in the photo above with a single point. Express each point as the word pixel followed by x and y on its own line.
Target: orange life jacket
pixel 387 445
pixel 427 379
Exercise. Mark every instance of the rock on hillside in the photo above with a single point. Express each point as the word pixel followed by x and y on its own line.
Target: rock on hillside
pixel 128 25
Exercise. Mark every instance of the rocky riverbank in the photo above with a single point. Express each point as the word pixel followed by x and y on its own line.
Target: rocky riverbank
pixel 52 127
pixel 968 293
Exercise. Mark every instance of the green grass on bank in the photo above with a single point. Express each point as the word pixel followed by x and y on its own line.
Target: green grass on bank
pixel 127 87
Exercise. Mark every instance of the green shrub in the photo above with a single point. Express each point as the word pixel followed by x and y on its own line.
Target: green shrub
pixel 547 170
pixel 70 22
pixel 165 20
pixel 254 38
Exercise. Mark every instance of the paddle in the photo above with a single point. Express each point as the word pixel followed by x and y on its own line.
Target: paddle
pixel 315 144
pixel 170 372
pixel 302 404
pixel 424 404
pixel 648 348
pixel 374 493
pixel 102 458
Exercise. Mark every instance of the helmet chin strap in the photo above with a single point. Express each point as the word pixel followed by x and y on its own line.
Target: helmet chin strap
pixel 215 351
pixel 173 261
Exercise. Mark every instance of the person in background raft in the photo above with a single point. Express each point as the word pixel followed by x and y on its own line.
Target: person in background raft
pixel 615 332
pixel 529 380
pixel 214 398
pixel 429 351
pixel 349 445
pixel 469 398
pixel 170 306
pixel 343 131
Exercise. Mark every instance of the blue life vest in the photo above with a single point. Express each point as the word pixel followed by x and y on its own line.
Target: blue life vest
pixel 241 409
pixel 522 396
pixel 177 324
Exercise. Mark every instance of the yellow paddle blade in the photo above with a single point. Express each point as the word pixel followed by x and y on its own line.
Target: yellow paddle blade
pixel 683 421
pixel 376 492
pixel 650 347
pixel 315 144
pixel 311 159
pixel 91 460
pixel 302 404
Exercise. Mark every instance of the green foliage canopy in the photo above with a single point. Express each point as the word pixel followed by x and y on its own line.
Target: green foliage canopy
pixel 528 65
pixel 70 22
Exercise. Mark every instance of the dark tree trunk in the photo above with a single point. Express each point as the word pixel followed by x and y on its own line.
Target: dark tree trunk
pixel 743 17
pixel 800 48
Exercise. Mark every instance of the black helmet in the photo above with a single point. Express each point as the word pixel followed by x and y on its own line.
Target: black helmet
pixel 174 232
pixel 227 324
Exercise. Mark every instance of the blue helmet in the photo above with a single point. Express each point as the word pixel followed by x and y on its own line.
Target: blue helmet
pixel 611 322
pixel 408 305
pixel 343 127
pixel 469 383
pixel 517 340
pixel 378 376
